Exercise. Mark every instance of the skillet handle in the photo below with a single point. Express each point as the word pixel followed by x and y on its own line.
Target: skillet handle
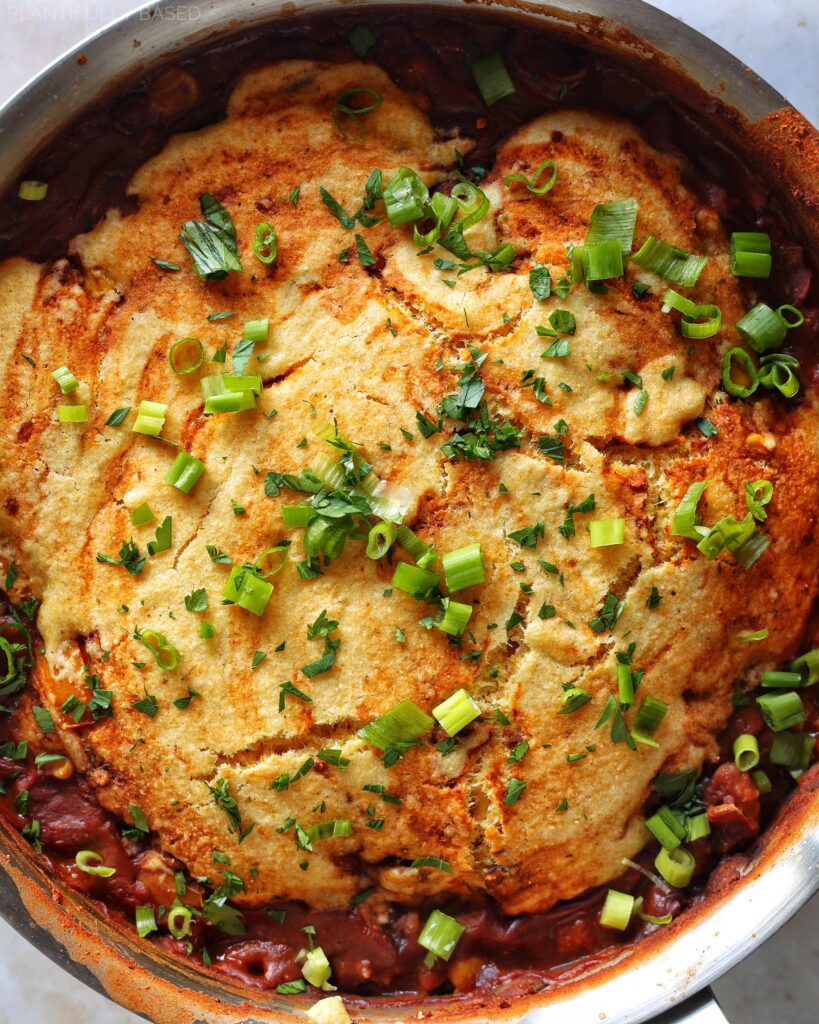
pixel 701 1008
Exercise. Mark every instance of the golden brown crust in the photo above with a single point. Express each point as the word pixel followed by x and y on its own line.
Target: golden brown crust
pixel 66 493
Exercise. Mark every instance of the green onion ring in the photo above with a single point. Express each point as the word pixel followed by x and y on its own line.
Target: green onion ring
pixel 730 385
pixel 343 108
pixel 798 320
pixel 198 358
pixel 531 183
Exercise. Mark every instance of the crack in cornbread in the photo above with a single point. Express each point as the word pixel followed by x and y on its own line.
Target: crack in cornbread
pixel 368 346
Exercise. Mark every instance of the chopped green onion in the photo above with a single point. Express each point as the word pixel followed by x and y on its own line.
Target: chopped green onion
pixel 440 935
pixel 145 921
pixel 685 517
pixel 256 330
pixel 456 712
pixel 405 723
pixel 86 861
pixel 807 665
pixel 265 246
pixel 667 828
pixel 798 316
pixel 463 567
pixel 702 322
pixel 617 910
pixel 432 862
pixel 142 514
pixel 297 515
pixel 602 260
pixel 750 254
pixel 625 684
pixel 345 109
pixel 733 387
pixel 777 371
pixel 493 80
pixel 184 472
pixel 781 710
pixel 32 191
pixel 675 866
pixel 405 197
pixel 780 679
pixel 248 589
pixel 165 654
pixel 247 382
pixel 65 379
pixel 191 355
pixel 414 581
pixel 150 418
pixel 675 265
pixel 206 631
pixel 698 827
pixel 762 782
pixel 316 968
pixel 792 750
pixel 614 220
pixel 746 752
pixel 649 716
pixel 72 413
pixel 380 539
pixel 532 183
pixel 179 921
pixel 455 617
pixel 762 329
pixel 604 533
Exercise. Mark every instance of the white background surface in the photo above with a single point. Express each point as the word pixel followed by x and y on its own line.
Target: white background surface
pixel 780 40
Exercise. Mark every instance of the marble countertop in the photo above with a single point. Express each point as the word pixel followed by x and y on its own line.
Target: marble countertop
pixel 780 42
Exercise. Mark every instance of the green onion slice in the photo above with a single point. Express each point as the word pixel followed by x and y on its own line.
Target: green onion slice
pixel 746 752
pixel 685 517
pixel 762 329
pixel 440 935
pixel 416 582
pixel 675 265
pixel 456 712
pixel 601 260
pixel 792 750
pixel 617 910
pixel 142 514
pixel 33 191
pixel 145 921
pixel 761 780
pixel 750 254
pixel 412 544
pixel 380 539
pixel 667 828
pixel 455 617
pixel 698 827
pixel 65 379
pixel 186 355
pixel 297 515
pixel 405 197
pixel 532 183
pixel 248 589
pixel 165 654
pixel 184 472
pixel 347 112
pixel 150 418
pixel 782 710
pixel 404 724
pixel 493 80
pixel 614 220
pixel 265 245
pixel 647 720
pixel 179 921
pixel 675 866
pixel 72 414
pixel 316 968
pixel 781 680
pixel 604 533
pixel 786 312
pixel 256 330
pixel 463 567
pixel 736 387
pixel 807 665
pixel 91 864
pixel 776 370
